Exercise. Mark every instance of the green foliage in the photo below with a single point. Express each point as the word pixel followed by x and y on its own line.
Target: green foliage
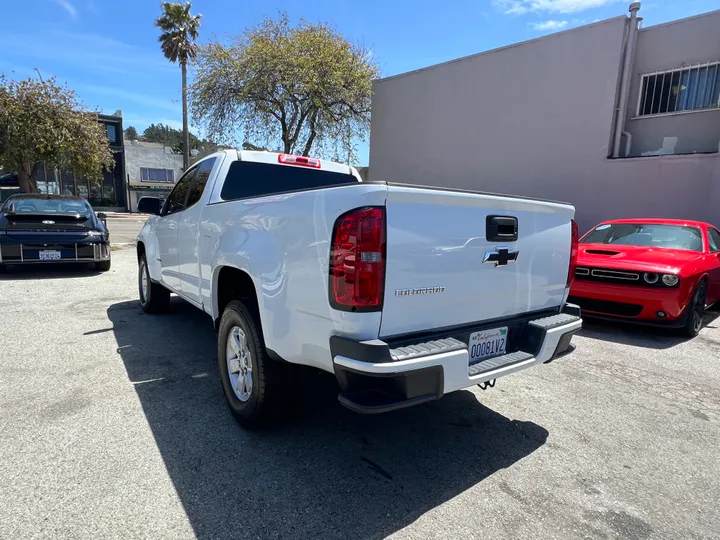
pixel 173 138
pixel 131 133
pixel 179 31
pixel 41 121
pixel 302 89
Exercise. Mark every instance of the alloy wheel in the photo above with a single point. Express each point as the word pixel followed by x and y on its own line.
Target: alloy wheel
pixel 239 364
pixel 143 283
pixel 699 311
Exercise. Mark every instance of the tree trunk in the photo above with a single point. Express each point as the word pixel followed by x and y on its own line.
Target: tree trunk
pixel 186 132
pixel 311 137
pixel 308 144
pixel 26 181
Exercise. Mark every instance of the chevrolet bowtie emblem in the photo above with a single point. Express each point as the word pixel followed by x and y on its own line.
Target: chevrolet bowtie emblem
pixel 502 256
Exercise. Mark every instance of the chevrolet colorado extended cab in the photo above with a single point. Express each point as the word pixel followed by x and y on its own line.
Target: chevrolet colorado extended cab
pixel 404 293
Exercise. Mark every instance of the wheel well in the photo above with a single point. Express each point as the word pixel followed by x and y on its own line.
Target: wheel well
pixel 234 284
pixel 140 250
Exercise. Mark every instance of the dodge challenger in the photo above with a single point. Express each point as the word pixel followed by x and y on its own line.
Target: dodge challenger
pixel 659 272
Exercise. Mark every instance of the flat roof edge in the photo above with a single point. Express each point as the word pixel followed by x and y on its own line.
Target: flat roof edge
pixel 505 47
pixel 678 21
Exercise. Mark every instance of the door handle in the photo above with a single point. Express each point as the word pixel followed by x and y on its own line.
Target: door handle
pixel 172 227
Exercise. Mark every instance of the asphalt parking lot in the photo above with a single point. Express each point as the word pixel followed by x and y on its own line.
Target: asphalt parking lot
pixel 113 425
pixel 124 230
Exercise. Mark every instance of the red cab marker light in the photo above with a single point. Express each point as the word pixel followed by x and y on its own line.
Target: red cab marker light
pixel 301 161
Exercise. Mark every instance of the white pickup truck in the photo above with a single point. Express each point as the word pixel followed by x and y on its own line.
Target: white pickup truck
pixel 404 293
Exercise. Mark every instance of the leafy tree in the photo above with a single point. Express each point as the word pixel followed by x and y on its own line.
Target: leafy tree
pixel 43 122
pixel 298 88
pixel 131 133
pixel 179 32
pixel 171 137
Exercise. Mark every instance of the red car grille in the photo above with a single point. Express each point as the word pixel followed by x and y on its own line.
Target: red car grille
pixel 609 308
pixel 607 275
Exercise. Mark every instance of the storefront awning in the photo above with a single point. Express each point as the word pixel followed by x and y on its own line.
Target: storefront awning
pixel 150 186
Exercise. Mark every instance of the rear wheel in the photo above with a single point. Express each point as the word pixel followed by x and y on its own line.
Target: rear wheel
pixel 254 385
pixel 154 298
pixel 696 311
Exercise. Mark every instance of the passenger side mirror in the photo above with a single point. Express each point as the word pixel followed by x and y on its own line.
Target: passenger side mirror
pixel 102 216
pixel 149 205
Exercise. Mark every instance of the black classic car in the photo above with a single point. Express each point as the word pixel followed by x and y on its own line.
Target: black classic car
pixel 52 228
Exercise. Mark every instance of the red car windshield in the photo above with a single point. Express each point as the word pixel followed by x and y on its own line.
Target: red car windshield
pixel 646 235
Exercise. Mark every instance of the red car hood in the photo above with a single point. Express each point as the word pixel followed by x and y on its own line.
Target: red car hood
pixel 646 259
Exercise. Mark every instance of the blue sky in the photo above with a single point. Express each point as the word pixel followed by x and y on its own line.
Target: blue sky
pixel 108 51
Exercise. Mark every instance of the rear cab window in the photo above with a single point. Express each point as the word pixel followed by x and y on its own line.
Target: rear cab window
pixel 246 179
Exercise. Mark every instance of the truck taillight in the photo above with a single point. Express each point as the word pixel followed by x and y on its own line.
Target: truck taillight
pixel 574 243
pixel 357 260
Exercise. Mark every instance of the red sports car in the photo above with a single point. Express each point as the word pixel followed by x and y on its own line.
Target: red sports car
pixel 661 272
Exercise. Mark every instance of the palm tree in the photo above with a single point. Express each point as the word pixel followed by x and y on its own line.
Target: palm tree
pixel 179 32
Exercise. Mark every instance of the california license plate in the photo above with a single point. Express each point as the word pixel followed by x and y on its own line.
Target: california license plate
pixel 487 344
pixel 49 255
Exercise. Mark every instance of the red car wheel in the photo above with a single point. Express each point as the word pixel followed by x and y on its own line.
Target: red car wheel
pixel 696 310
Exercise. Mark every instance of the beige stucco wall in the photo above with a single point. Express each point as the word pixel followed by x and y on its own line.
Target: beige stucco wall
pixel 533 119
pixel 682 43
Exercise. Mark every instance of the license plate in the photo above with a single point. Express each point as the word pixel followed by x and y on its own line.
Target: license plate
pixel 49 255
pixel 487 343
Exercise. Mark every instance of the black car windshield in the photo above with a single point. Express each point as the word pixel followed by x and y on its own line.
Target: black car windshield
pixel 55 206
pixel 646 235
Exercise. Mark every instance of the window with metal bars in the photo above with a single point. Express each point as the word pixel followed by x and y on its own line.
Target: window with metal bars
pixel 680 90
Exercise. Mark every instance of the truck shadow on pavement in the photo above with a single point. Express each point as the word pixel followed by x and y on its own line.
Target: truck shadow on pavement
pixel 48 271
pixel 648 337
pixel 326 472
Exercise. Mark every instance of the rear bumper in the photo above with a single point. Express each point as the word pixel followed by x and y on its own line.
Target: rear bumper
pixel 70 252
pixel 375 378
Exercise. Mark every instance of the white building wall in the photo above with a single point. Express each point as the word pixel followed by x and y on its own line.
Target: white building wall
pixel 155 156
pixel 138 154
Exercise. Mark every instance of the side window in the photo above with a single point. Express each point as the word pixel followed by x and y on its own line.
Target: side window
pixel 176 201
pixel 714 238
pixel 198 185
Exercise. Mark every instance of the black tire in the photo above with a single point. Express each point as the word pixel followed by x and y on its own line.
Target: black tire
pixel 157 297
pixel 267 401
pixel 103 266
pixel 3 268
pixel 696 311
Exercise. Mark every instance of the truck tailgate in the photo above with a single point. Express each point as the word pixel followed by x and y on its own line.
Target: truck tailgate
pixel 437 242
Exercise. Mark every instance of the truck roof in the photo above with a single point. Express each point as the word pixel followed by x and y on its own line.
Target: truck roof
pixel 273 158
